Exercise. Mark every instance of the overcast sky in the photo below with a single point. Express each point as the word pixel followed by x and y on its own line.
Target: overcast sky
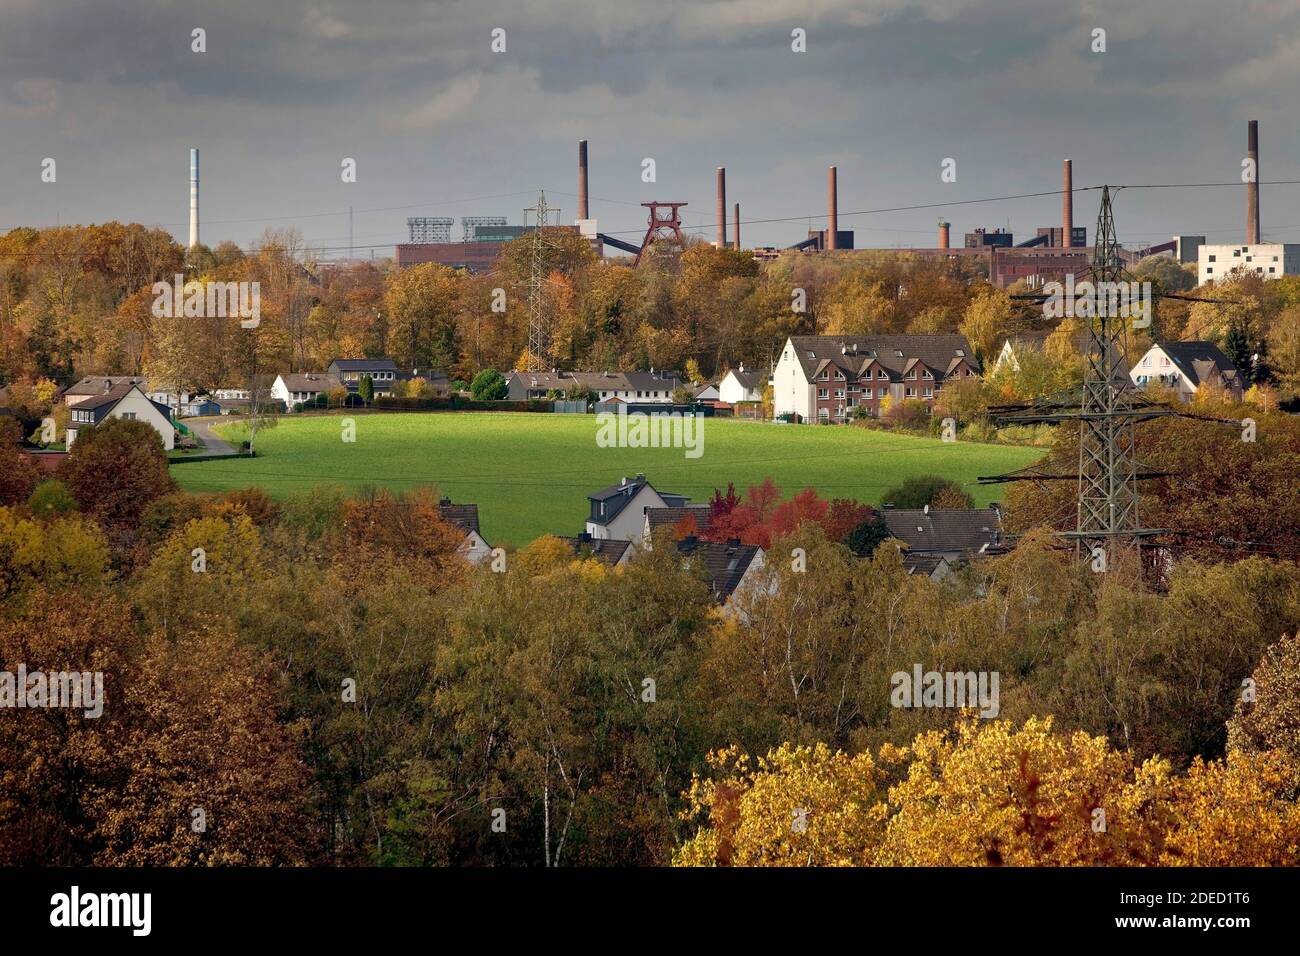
pixel 439 123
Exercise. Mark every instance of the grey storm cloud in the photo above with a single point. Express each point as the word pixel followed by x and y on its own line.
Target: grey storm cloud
pixel 439 124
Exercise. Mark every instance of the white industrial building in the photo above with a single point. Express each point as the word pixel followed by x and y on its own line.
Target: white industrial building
pixel 1271 260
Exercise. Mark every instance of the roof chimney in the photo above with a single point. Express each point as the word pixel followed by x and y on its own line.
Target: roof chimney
pixel 1067 204
pixel 722 207
pixel 832 199
pixel 1252 187
pixel 582 179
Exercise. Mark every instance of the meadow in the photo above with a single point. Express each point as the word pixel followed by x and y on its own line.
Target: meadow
pixel 530 473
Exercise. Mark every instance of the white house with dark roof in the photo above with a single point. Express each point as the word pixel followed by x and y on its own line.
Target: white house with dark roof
pixel 823 378
pixel 739 385
pixel 618 511
pixel 122 401
pixel 1186 366
pixel 294 387
pixel 474 548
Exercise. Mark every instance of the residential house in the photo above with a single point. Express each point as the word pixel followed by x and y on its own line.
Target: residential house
pixel 473 548
pixel 1020 343
pixel 618 512
pixel 733 570
pixel 634 388
pixel 294 387
pixel 955 534
pixel 823 378
pixel 739 385
pixel 611 551
pixel 1186 367
pixel 93 386
pixel 708 392
pixel 383 374
pixel 672 517
pixel 933 566
pixel 128 401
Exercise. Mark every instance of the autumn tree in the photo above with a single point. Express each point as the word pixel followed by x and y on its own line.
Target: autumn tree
pixel 115 469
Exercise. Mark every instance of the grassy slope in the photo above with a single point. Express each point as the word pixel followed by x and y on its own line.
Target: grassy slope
pixel 530 473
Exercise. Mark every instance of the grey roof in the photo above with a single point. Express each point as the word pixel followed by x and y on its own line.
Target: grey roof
pixel 925 564
pixel 463 516
pixel 364 365
pixel 310 381
pixel 725 563
pixel 749 379
pixel 1201 362
pixel 945 530
pixel 609 550
pixel 619 495
pixel 658 517
pixel 608 381
pixel 99 384
pixel 896 353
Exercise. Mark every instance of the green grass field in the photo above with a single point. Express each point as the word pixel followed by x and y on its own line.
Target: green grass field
pixel 530 473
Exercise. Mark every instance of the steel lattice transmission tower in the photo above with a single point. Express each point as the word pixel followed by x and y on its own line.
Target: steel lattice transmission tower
pixel 1107 408
pixel 1108 473
pixel 539 332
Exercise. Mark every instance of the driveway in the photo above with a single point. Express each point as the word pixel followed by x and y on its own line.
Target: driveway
pixel 212 445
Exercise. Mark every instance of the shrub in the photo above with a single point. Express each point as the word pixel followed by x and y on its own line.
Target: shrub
pixel 50 499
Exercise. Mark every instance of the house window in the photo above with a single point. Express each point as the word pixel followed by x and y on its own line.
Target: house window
pixel 929 393
pixel 881 392
pixel 839 393
pixel 1211 258
pixel 909 392
pixel 839 376
pixel 129 416
pixel 824 376
pixel 1146 360
pixel 928 375
pixel 911 376
pixel 823 393
pixel 824 414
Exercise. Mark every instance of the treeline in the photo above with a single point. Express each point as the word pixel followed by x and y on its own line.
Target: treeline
pixel 329 682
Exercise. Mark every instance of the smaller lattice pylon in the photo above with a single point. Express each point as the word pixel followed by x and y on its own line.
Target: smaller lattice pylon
pixel 662 226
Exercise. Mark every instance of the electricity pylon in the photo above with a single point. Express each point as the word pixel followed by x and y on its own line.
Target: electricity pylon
pixel 539 332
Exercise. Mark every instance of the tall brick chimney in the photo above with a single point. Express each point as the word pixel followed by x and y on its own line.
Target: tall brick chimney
pixel 582 179
pixel 833 215
pixel 1067 205
pixel 943 233
pixel 1252 187
pixel 736 231
pixel 722 207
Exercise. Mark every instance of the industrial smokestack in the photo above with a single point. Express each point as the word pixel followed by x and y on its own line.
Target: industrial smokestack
pixel 1252 187
pixel 1067 205
pixel 833 226
pixel 582 179
pixel 943 233
pixel 736 231
pixel 722 207
pixel 194 198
